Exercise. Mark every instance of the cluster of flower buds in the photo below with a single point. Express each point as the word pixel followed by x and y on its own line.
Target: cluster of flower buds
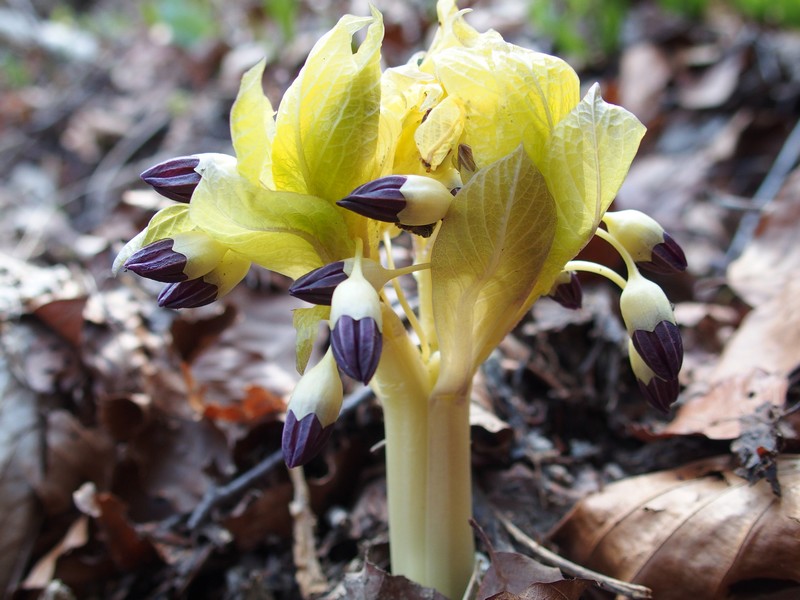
pixel 656 349
pixel 414 202
pixel 197 268
pixel 356 342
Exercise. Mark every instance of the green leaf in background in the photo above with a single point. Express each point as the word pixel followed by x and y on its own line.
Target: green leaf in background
pixel 306 321
pixel 284 232
pixel 486 259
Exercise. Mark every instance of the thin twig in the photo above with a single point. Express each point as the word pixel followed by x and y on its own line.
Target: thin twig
pixel 308 573
pixel 784 163
pixel 236 488
pixel 629 590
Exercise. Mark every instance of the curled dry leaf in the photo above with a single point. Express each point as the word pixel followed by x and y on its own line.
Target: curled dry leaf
pixel 695 532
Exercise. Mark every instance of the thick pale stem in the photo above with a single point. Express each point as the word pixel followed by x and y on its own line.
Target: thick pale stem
pixel 450 545
pixel 402 384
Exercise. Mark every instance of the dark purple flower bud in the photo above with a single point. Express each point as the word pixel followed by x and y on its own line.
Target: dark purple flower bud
pixel 159 262
pixel 302 440
pixel 661 349
pixel 316 400
pixel 666 257
pixel 357 346
pixel 188 294
pixel 175 178
pixel 660 393
pixel 650 246
pixel 567 290
pixel 412 200
pixel 318 285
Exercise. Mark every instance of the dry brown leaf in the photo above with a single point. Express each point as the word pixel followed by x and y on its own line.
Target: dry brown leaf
pixel 718 412
pixel 257 403
pixel 20 441
pixel 42 572
pixel 644 73
pixel 373 582
pixel 752 370
pixel 693 532
pixel 772 258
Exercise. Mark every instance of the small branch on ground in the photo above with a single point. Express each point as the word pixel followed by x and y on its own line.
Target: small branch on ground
pixel 309 576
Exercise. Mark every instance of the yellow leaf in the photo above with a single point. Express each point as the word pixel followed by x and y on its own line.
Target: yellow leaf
pixel 485 262
pixel 439 133
pixel 285 232
pixel 253 128
pixel 306 321
pixel 584 162
pixel 326 139
pixel 506 92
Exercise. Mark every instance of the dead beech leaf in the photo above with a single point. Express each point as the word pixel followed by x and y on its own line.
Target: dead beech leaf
pixel 772 257
pixel 374 582
pixel 257 403
pixel 717 412
pixel 693 532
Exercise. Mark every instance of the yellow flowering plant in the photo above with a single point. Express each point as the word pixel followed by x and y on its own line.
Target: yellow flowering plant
pixel 486 155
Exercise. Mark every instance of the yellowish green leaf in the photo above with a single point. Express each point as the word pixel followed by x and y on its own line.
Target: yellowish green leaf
pixel 485 262
pixel 284 232
pixel 253 128
pixel 439 133
pixel 306 321
pixel 507 92
pixel 584 162
pixel 326 139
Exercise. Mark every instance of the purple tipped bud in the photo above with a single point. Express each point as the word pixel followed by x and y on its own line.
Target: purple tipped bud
pixel 188 294
pixel 650 246
pixel 318 285
pixel 666 257
pixel 380 199
pixel 661 349
pixel 175 178
pixel 302 440
pixel 567 290
pixel 159 262
pixel 660 393
pixel 357 346
pixel 412 200
pixel 313 409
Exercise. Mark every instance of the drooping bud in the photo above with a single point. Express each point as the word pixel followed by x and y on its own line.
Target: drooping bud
pixel 651 247
pixel 175 178
pixel 317 286
pixel 313 409
pixel 651 325
pixel 185 256
pixel 660 393
pixel 356 325
pixel 210 287
pixel 412 200
pixel 567 290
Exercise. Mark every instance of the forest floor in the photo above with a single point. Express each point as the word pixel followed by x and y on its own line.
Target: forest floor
pixel 139 446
